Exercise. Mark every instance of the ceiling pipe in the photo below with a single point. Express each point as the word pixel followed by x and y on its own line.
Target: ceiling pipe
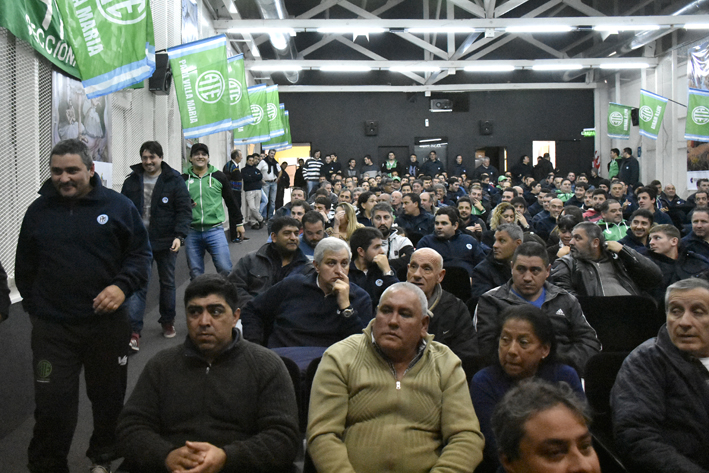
pixel 642 38
pixel 282 43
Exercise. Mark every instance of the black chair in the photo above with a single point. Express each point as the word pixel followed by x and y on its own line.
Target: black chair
pixel 472 304
pixel 294 372
pixel 622 322
pixel 457 282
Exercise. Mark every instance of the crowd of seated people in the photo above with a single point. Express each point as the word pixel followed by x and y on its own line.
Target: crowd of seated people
pixel 355 272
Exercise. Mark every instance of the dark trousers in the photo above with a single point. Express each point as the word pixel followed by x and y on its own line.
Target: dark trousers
pixel 165 260
pixel 60 350
pixel 232 218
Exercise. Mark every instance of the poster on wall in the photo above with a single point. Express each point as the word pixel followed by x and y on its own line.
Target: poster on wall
pixel 74 116
pixel 697 150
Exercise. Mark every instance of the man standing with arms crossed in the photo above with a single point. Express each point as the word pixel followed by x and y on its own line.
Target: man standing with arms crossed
pixel 233 172
pixel 82 250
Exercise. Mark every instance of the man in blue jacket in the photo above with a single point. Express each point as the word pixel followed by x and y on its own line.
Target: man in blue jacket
pixel 82 251
pixel 160 195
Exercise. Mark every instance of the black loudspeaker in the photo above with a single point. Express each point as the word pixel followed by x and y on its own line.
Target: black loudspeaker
pixel 635 116
pixel 159 83
pixel 371 128
pixel 486 127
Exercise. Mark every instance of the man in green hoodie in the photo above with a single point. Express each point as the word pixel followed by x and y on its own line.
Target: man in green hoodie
pixel 207 187
pixel 612 223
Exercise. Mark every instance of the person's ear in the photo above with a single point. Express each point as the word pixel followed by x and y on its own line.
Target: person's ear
pixel 237 316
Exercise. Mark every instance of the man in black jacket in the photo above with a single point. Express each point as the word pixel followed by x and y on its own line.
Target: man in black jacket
pixel 495 269
pixel 369 268
pixel 160 195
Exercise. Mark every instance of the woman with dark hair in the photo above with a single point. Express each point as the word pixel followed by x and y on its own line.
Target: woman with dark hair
pixel 365 202
pixel 526 349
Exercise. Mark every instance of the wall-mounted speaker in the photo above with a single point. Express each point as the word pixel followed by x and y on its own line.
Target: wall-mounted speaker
pixel 159 83
pixel 635 116
pixel 486 127
pixel 371 127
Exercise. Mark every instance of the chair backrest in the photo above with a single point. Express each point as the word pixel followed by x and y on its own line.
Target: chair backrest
pixel 599 377
pixel 457 282
pixel 294 372
pixel 622 322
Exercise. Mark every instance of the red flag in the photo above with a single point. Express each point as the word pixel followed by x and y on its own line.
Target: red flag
pixel 597 161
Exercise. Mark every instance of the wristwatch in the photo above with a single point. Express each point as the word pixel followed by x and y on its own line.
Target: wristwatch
pixel 346 313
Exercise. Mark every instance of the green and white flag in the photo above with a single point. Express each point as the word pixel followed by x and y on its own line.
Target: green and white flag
pixel 275 122
pixel 201 79
pixel 618 121
pixel 238 95
pixel 256 132
pixel 288 141
pixel 282 141
pixel 40 24
pixel 697 123
pixel 652 109
pixel 112 40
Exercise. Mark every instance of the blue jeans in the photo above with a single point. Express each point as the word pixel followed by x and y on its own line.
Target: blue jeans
pixel 263 204
pixel 212 240
pixel 270 189
pixel 312 185
pixel 165 259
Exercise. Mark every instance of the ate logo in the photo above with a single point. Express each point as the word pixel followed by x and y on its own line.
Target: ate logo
pixel 210 86
pixel 234 91
pixel 123 12
pixel 616 118
pixel 646 113
pixel 272 111
pixel 257 113
pixel 700 115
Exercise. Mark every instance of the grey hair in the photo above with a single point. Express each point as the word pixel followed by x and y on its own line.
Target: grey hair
pixel 593 231
pixel 527 399
pixel 685 285
pixel 513 230
pixel 423 301
pixel 330 244
pixel 73 146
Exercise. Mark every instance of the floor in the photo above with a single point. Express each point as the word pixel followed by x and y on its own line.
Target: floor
pixel 16 390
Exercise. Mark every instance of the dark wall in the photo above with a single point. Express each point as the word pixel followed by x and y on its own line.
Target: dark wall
pixel 334 122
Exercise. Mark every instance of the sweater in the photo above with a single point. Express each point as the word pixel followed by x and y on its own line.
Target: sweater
pixel 362 420
pixel 243 402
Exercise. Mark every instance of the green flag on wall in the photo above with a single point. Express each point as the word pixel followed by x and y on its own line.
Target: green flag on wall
pixel 697 123
pixel 112 41
pixel 238 94
pixel 256 132
pixel 40 24
pixel 652 109
pixel 279 142
pixel 201 79
pixel 275 120
pixel 618 121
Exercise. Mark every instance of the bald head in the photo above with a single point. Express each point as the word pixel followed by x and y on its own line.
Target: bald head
pixel 426 270
pixel 555 207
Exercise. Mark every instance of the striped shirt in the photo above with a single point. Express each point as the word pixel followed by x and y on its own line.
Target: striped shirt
pixel 312 170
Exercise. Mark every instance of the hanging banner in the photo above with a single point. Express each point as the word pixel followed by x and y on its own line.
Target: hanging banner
pixel 697 123
pixel 40 24
pixel 256 132
pixel 112 41
pixel 652 109
pixel 281 141
pixel 619 121
pixel 288 141
pixel 200 75
pixel 275 123
pixel 239 102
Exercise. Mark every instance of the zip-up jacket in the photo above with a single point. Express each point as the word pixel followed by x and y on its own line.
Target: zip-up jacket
pixel 71 250
pixel 688 265
pixel 207 193
pixel 696 244
pixel 635 272
pixel 460 250
pixel 170 205
pixel 613 231
pixel 252 178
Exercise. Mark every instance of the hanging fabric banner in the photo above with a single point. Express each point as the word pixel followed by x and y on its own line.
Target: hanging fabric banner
pixel 113 42
pixel 275 123
pixel 652 109
pixel 201 75
pixel 619 121
pixel 256 132
pixel 40 24
pixel 288 141
pixel 697 123
pixel 238 96
pixel 279 142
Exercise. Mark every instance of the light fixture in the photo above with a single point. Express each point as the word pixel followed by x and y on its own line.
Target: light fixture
pixel 358 30
pixel 262 30
pixel 441 30
pixel 616 28
pixel 539 29
pixel 415 68
pixel 430 140
pixel 271 67
pixel 557 67
pixel 625 65
pixel 696 26
pixel 490 68
pixel 345 68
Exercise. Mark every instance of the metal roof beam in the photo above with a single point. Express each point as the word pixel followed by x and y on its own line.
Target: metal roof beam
pixel 435 88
